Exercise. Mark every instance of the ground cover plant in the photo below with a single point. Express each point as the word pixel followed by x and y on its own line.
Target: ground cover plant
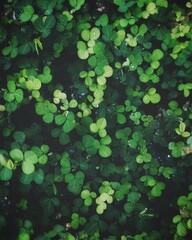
pixel 96 111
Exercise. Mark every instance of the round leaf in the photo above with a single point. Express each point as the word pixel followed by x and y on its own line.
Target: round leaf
pixel 16 154
pixel 28 167
pixel 104 151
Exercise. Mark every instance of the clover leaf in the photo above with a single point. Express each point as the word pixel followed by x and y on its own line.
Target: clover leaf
pixel 109 34
pixel 46 109
pixel 38 176
pixel 5 174
pixel 146 157
pixel 152 97
pixel 13 93
pixel 102 201
pixel 17 155
pixel 176 148
pixel 11 50
pixel 181 229
pixel 27 13
pixel 157 54
pixel 75 182
pixel 88 196
pixel 65 163
pixel 90 144
pixel 102 21
pixel 82 50
pixel 99 126
pixel 76 4
pixel 185 88
pixel 157 189
pixel 44 27
pixel 104 151
pixel 28 167
pixel 132 41
pixel 181 130
pixel 129 207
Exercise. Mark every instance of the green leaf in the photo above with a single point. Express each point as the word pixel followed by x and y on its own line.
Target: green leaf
pixel 85 35
pixel 181 230
pixel 182 201
pixel 3 161
pixel 64 138
pixel 38 176
pixel 106 140
pixel 104 151
pixel 94 128
pixel 189 223
pixel 157 55
pixel 143 29
pixel 69 123
pixel 103 20
pixel 185 134
pixel 101 123
pixel 24 48
pixel 88 202
pixel 14 52
pixel 66 166
pixel 152 91
pixel 19 137
pixel 45 5
pixel 11 86
pixel 69 177
pixel 151 8
pixel 146 99
pixel 133 197
pixel 74 186
pixel 108 71
pixel 129 207
pixel 26 178
pixel 156 98
pixel 19 95
pixel 101 80
pixel 27 13
pixel 73 103
pixel 104 196
pixel 23 236
pixel 82 50
pixel 5 174
pixel 99 209
pixel 28 167
pixel 85 194
pixel 44 27
pixel 6 51
pixel 140 159
pixel 156 191
pixel 48 118
pixel 30 157
pixel 10 164
pixel 182 126
pixel 90 144
pixel 76 4
pixel 121 118
pixel 95 33
pixel 60 119
pixel 108 33
pixel 16 154
pixel 132 41
pixel 189 140
pixel 177 219
pixel 52 107
pixel 83 54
